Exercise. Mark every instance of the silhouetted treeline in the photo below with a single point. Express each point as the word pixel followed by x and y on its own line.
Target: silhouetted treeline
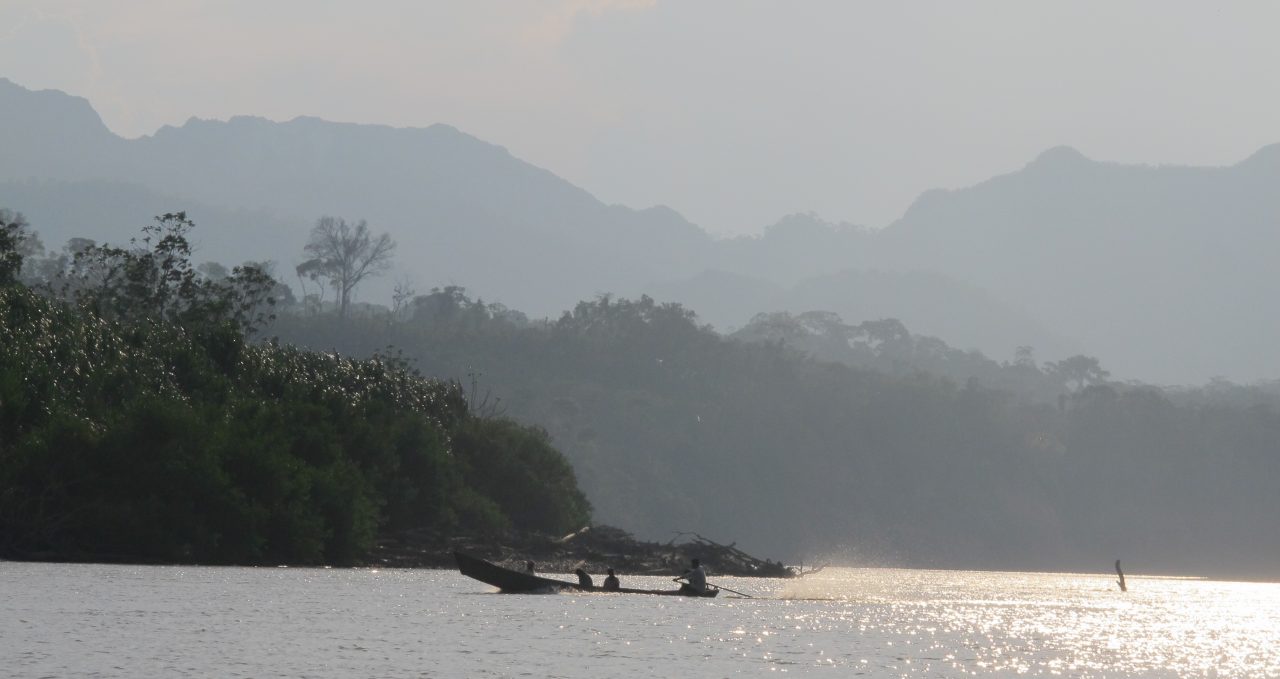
pixel 887 346
pixel 137 422
pixel 671 426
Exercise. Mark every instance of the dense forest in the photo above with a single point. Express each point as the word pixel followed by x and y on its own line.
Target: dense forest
pixel 139 420
pixel 800 436
pixel 888 448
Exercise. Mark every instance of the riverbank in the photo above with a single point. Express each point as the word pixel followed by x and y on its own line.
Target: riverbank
pixel 594 549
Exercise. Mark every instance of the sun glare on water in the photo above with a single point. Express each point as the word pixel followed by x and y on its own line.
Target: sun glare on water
pixel 1048 624
pixel 125 621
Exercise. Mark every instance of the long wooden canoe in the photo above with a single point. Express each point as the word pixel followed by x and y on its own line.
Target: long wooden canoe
pixel 511 581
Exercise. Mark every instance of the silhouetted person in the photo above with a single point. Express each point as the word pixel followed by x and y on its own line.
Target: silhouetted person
pixel 695 579
pixel 528 567
pixel 611 583
pixel 584 580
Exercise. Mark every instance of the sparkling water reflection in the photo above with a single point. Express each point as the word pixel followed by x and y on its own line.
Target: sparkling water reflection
pixel 60 620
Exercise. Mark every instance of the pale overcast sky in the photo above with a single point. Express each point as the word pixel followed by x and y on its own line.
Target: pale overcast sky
pixel 733 112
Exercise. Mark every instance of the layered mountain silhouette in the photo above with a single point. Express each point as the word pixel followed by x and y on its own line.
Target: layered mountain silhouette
pixel 1167 273
pixel 1162 272
pixel 463 211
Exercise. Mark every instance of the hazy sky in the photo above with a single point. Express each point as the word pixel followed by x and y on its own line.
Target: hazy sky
pixel 733 112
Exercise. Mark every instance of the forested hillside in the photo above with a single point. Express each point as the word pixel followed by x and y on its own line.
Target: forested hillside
pixel 138 421
pixel 836 418
pixel 672 427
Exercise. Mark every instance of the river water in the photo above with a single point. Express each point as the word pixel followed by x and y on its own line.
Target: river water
pixel 63 620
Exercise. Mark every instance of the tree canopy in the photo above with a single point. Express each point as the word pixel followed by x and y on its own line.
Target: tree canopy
pixel 137 422
pixel 862 441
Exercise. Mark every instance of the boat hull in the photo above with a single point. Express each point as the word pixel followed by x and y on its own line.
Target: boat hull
pixel 516 582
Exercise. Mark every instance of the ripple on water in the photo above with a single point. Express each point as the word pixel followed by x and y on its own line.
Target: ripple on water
pixel 125 621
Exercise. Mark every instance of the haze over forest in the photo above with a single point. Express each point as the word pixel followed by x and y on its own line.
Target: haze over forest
pixel 1047 360
pixel 664 419
pixel 1161 272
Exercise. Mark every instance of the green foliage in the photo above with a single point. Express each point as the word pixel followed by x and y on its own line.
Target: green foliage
pixel 155 279
pixel 13 234
pixel 139 423
pixel 519 470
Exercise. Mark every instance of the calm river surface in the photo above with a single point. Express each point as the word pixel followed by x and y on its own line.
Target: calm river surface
pixel 59 620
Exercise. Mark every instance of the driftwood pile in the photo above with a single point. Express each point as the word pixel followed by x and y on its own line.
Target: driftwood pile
pixel 594 549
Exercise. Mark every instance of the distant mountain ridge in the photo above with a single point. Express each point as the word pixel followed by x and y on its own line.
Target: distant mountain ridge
pixel 1162 272
pixel 462 209
pixel 1165 272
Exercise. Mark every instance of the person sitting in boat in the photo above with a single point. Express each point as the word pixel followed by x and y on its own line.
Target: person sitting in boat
pixel 611 583
pixel 584 580
pixel 528 567
pixel 695 580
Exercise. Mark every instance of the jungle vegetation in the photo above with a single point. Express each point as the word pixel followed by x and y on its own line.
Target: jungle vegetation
pixel 808 437
pixel 139 420
pixel 800 436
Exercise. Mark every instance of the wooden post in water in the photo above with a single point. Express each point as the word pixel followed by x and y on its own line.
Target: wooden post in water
pixel 1121 574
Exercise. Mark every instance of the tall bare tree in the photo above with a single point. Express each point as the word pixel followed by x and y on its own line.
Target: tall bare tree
pixel 346 254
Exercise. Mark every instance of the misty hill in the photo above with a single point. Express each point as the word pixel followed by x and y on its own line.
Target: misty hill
pixel 1165 272
pixel 939 305
pixel 802 263
pixel 1162 272
pixel 795 248
pixel 461 209
pixel 671 427
pixel 116 210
